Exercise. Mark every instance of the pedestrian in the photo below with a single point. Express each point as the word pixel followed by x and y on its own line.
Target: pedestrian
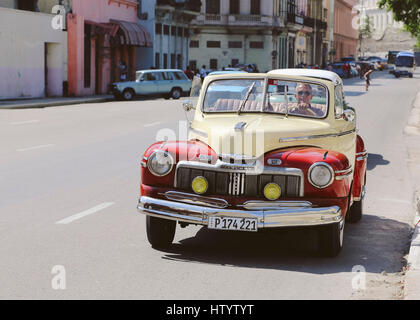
pixel 367 77
pixel 189 73
pixel 346 70
pixel 203 72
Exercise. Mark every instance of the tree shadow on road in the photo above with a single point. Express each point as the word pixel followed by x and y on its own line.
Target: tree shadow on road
pixel 378 244
pixel 374 160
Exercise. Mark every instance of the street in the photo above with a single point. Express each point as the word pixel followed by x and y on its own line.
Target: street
pixel 70 184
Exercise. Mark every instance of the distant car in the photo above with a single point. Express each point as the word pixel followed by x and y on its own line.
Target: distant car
pixel 169 83
pixel 338 69
pixel 404 64
pixel 348 59
pixel 375 58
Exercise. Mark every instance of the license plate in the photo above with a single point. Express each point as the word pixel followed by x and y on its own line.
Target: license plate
pixel 229 223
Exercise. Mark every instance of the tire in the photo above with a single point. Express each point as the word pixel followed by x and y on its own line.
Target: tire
pixel 330 239
pixel 160 232
pixel 176 93
pixel 128 94
pixel 355 212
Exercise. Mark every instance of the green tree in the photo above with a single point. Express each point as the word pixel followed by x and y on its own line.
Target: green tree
pixel 365 28
pixel 406 11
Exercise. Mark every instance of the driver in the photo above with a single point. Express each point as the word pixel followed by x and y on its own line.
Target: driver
pixel 303 106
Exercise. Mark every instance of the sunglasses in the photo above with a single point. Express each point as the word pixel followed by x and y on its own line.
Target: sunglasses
pixel 307 93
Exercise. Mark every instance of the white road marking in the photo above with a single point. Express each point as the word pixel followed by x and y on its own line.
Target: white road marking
pixel 85 213
pixel 35 147
pixel 23 122
pixel 152 124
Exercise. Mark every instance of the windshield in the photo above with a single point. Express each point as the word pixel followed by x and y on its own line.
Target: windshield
pixel 404 61
pixel 282 97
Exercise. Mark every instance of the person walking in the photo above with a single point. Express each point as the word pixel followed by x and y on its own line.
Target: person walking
pixel 367 77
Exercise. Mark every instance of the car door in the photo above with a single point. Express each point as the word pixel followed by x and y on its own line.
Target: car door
pixel 166 82
pixel 148 84
pixel 345 127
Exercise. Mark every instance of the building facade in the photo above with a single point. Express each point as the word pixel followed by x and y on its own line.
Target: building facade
pixel 33 53
pixel 103 36
pixel 346 33
pixel 387 34
pixel 168 23
pixel 269 33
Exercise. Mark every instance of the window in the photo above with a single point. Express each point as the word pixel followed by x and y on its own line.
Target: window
pixel 213 6
pixel 213 64
pixel 193 64
pixel 213 44
pixel 235 44
pixel 234 7
pixel 157 60
pixel 166 29
pixel 255 7
pixel 180 31
pixel 173 60
pixel 173 30
pixel 87 56
pixel 179 61
pixel 256 45
pixel 194 44
pixel 165 61
pixel 150 76
pixel 180 76
pixel 167 76
pixel 235 62
pixel 338 101
pixel 158 28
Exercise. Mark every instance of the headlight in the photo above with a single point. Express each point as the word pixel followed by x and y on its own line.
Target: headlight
pixel 160 163
pixel 321 175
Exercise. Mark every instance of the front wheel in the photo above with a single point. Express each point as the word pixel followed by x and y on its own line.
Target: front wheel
pixel 160 232
pixel 176 93
pixel 128 94
pixel 331 239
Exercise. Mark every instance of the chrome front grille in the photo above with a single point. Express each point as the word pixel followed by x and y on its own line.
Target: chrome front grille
pixel 239 183
pixel 236 184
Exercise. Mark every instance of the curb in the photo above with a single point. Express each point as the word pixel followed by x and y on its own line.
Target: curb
pixel 412 279
pixel 46 104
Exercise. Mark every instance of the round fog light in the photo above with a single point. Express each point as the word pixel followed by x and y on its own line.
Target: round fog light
pixel 272 191
pixel 200 185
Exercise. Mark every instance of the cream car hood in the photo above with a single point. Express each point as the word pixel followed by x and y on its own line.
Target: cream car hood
pixel 259 134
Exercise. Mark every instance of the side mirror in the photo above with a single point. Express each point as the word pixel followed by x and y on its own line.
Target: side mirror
pixel 349 115
pixel 188 106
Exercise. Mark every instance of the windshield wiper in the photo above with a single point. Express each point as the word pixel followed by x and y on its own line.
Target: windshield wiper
pixel 246 98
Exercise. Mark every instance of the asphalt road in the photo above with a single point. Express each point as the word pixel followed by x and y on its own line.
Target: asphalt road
pixel 69 229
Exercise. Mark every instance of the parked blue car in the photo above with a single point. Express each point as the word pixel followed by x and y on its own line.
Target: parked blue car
pixel 169 83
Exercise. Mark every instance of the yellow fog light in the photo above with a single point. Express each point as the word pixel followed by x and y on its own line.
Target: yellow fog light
pixel 272 191
pixel 199 185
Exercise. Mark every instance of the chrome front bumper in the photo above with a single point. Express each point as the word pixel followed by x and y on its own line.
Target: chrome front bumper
pixel 286 214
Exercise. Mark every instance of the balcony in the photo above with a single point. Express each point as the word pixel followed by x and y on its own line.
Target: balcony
pixel 240 20
pixel 188 5
pixel 295 19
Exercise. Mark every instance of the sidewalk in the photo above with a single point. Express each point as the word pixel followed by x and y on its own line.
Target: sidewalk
pixel 52 102
pixel 412 134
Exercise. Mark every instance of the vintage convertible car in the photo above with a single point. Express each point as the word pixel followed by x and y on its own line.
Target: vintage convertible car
pixel 264 151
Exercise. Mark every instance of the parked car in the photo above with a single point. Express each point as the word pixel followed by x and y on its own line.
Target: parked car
pixel 169 83
pixel 264 151
pixel 337 67
pixel 348 59
pixel 404 64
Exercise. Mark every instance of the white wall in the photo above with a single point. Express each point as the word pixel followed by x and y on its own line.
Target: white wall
pixel 23 35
